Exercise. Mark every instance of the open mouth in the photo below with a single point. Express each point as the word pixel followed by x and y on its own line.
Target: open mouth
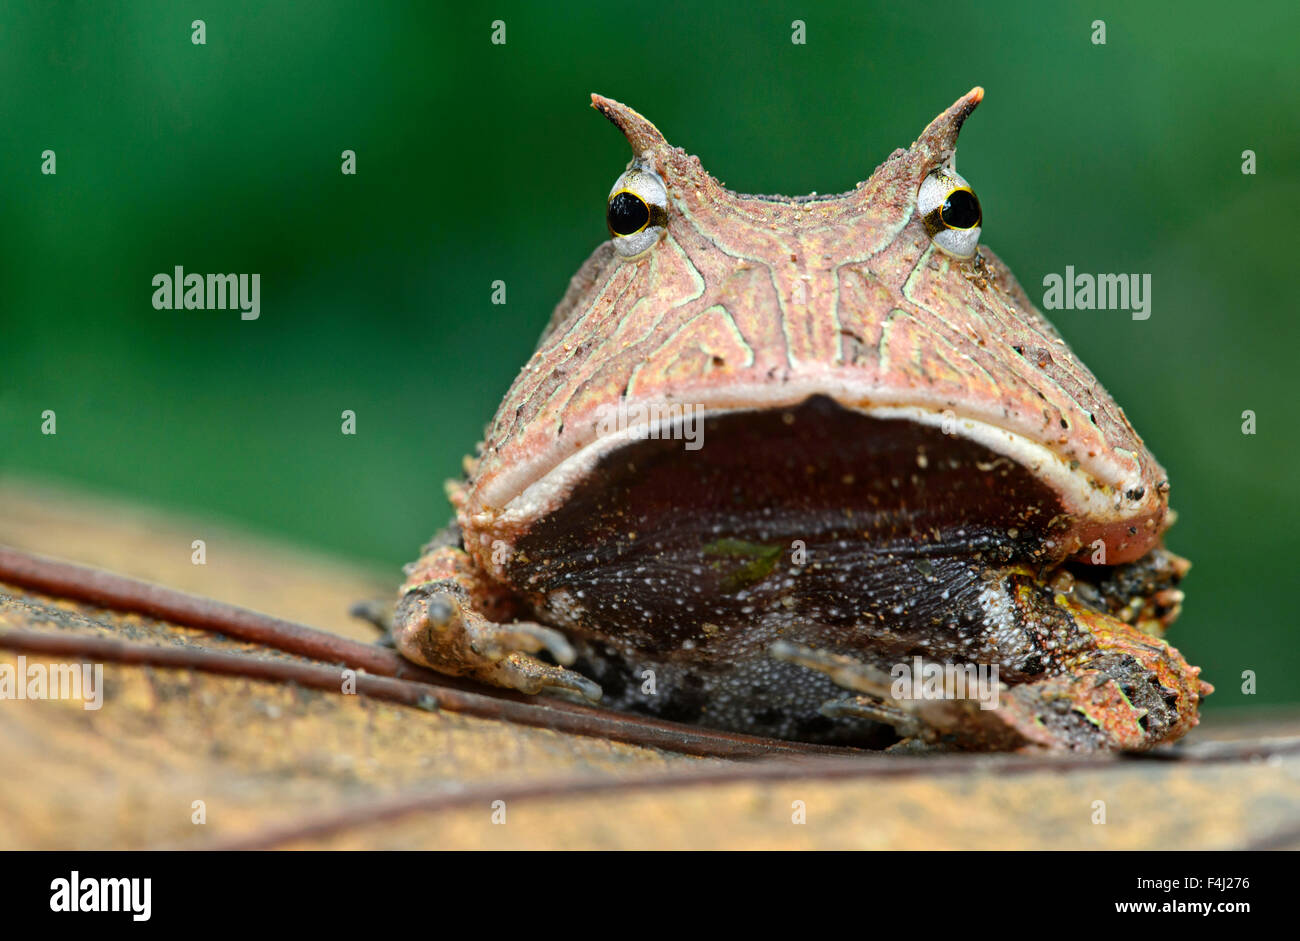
pixel 882 532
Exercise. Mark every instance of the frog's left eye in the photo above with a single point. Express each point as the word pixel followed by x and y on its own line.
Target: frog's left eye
pixel 951 212
pixel 637 211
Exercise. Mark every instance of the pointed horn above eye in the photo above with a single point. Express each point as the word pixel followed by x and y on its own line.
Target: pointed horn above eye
pixel 640 133
pixel 939 139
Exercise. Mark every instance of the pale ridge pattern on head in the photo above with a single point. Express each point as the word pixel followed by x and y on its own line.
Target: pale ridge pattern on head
pixel 760 301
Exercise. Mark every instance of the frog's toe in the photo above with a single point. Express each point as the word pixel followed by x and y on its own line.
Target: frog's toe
pixel 496 639
pixel 530 675
pixel 870 683
pixel 867 707
pixel 845 671
pixel 876 701
pixel 379 614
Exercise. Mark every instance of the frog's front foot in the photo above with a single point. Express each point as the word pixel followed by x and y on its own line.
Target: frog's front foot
pixel 1128 691
pixel 439 623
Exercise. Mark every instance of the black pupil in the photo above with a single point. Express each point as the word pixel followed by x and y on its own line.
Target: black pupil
pixel 961 210
pixel 627 214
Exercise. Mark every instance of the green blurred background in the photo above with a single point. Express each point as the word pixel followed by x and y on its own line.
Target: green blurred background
pixel 479 162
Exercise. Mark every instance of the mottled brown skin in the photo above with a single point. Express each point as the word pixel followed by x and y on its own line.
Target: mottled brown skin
pixel 822 337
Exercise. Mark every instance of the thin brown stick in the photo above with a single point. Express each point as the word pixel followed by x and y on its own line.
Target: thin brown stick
pixel 94 586
pixel 559 717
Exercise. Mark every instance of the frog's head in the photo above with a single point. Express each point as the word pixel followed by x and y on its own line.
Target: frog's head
pixel 880 299
pixel 732 380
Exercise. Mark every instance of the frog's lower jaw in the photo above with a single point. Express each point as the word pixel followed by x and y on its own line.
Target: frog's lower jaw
pixel 1118 687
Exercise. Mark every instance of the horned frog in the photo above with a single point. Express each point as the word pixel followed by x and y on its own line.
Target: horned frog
pixel 771 454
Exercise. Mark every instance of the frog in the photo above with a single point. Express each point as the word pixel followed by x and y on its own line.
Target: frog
pixel 772 454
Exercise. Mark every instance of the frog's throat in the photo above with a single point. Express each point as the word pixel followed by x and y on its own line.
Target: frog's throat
pixel 1100 508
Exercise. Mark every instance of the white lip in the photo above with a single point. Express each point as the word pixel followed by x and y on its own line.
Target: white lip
pixel 1093 493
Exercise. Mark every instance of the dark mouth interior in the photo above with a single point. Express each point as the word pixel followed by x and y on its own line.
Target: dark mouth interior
pixel 660 542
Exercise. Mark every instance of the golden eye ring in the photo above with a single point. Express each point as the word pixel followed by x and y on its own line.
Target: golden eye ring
pixel 950 212
pixel 961 210
pixel 636 211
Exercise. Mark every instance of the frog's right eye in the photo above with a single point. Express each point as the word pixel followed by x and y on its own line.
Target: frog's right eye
pixel 637 211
